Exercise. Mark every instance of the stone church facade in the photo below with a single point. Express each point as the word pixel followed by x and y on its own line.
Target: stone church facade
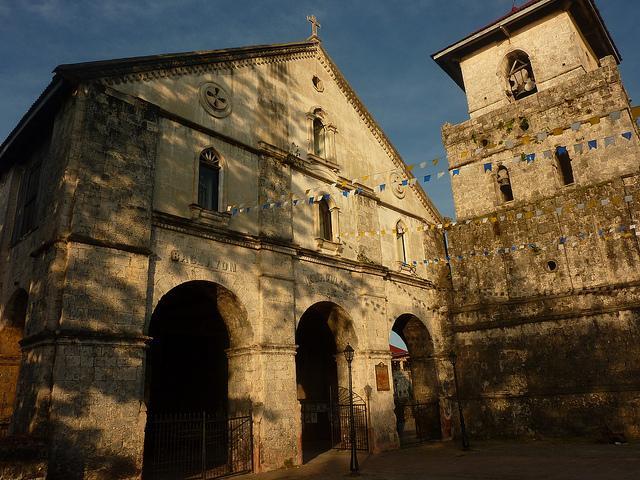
pixel 173 242
pixel 207 232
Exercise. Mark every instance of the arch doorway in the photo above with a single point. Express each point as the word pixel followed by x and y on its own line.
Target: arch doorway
pixel 321 373
pixel 186 383
pixel 11 332
pixel 415 382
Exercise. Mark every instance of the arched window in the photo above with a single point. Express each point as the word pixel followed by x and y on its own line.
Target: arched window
pixel 564 165
pixel 318 138
pixel 401 242
pixel 326 229
pixel 504 184
pixel 209 180
pixel 27 213
pixel 521 81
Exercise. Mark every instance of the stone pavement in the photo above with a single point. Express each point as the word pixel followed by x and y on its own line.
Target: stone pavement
pixel 549 460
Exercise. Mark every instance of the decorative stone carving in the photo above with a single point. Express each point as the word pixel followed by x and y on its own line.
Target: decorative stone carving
pixel 395 179
pixel 317 84
pixel 215 99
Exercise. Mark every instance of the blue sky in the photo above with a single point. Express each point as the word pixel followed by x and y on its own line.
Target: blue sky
pixel 382 47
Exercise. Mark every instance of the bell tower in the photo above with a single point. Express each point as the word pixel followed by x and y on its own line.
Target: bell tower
pixel 545 255
pixel 541 83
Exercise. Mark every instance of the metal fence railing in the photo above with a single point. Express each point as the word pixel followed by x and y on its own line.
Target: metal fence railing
pixel 199 446
pixel 341 427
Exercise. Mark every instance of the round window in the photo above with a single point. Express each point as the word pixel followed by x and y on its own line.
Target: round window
pixel 215 99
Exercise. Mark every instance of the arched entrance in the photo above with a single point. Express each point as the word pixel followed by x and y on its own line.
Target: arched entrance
pixel 321 373
pixel 11 332
pixel 188 414
pixel 415 381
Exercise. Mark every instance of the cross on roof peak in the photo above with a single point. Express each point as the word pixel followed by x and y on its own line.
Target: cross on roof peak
pixel 315 25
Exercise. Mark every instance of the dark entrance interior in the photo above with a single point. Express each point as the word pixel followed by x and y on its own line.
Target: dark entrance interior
pixel 187 367
pixel 418 414
pixel 188 426
pixel 317 378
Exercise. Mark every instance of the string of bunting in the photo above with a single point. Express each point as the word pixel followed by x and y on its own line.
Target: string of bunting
pixel 349 189
pixel 616 200
pixel 606 233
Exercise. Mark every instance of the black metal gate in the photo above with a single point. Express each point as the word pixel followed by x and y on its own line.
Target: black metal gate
pixel 198 446
pixel 418 422
pixel 340 425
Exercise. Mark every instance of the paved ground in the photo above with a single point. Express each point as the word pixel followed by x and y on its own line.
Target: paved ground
pixel 485 461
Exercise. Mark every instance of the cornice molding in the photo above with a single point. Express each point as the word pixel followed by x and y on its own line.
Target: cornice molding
pixel 187 227
pixel 80 337
pixel 114 72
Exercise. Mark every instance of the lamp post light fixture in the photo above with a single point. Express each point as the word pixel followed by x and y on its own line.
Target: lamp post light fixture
pixel 463 429
pixel 348 355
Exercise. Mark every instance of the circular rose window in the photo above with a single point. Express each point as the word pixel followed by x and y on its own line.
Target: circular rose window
pixel 215 99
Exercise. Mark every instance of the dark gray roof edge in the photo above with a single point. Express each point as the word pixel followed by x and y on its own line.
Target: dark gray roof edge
pixel 171 60
pixel 51 95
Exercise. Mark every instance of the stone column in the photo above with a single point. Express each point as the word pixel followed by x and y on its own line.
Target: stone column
pixel 382 420
pixel 277 424
pixel 444 344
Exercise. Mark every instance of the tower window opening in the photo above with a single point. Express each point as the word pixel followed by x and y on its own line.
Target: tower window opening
pixel 520 77
pixel 504 184
pixel 564 163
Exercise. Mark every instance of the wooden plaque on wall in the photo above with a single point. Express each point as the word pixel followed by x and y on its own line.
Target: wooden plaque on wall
pixel 382 377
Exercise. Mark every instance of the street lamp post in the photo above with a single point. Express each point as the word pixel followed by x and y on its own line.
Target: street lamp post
pixel 463 429
pixel 348 355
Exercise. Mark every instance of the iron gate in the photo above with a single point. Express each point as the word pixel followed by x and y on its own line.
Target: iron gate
pixel 418 422
pixel 200 446
pixel 340 425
